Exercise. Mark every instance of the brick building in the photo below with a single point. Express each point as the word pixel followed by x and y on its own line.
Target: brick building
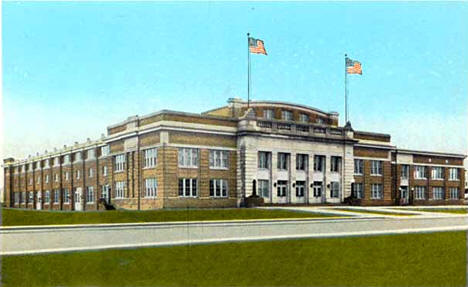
pixel 286 153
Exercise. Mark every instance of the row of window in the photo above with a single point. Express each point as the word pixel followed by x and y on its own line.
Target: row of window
pixel 302 161
pixel 437 193
pixel 67 175
pixel 286 115
pixel 282 188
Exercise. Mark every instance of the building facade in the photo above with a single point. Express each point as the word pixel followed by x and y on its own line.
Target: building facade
pixel 285 153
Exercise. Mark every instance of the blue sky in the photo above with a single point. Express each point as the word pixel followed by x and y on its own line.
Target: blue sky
pixel 71 69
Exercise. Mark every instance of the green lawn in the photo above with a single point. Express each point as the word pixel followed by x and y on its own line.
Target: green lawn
pixel 374 212
pixel 33 217
pixel 436 259
pixel 448 210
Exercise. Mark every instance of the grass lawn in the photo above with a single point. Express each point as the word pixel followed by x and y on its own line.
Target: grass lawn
pixel 33 217
pixel 448 210
pixel 435 259
pixel 373 211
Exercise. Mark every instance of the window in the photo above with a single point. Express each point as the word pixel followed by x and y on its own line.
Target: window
pixel 47 178
pixel 56 196
pixel 438 193
pixel 301 161
pixel 30 181
pixel 120 189
pixel 318 188
pixel 300 188
pixel 454 174
pixel 23 197
pixel 376 167
pixel 335 164
pixel 17 197
pixel 31 197
pixel 376 191
pixel 66 159
pixel 67 176
pixel 151 156
pixel 105 150
pixel 304 118
pixel 151 187
pixel 90 172
pixel 218 159
pixel 437 173
pixel 420 172
pixel 404 171
pixel 264 159
pixel 46 163
pixel 420 192
pixel 56 161
pixel 453 193
pixel 268 114
pixel 187 187
pixel 78 174
pixel 47 197
pixel 105 192
pixel 56 177
pixel 66 196
pixel 91 154
pixel 38 165
pixel 104 170
pixel 319 163
pixel 23 168
pixel 90 194
pixel 283 161
pixel 334 189
pixel 78 156
pixel 120 162
pixel 358 190
pixel 286 115
pixel 282 188
pixel 218 188
pixel 358 166
pixel 264 188
pixel 188 157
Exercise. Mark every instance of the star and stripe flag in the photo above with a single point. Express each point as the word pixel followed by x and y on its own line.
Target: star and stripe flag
pixel 256 46
pixel 353 67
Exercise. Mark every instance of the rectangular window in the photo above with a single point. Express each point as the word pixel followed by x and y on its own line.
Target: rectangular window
pixel 438 193
pixel 287 115
pixel 188 157
pixel 264 188
pixel 90 194
pixel 334 189
pixel 219 159
pixel 264 159
pixel 78 156
pixel 120 189
pixel 301 161
pixel 91 154
pixel 437 172
pixel 47 178
pixel 151 156
pixel 46 163
pixel 66 159
pixel 17 197
pixel 318 188
pixel 358 166
pixel 105 192
pixel 66 196
pixel 454 174
pixel 187 187
pixel 31 181
pixel 335 164
pixel 218 188
pixel 283 159
pixel 358 190
pixel 119 161
pixel 376 167
pixel 67 176
pixel 300 188
pixel 376 191
pixel 23 197
pixel 104 170
pixel 319 163
pixel 420 192
pixel 105 150
pixel 453 193
pixel 419 172
pixel 31 197
pixel 56 196
pixel 282 188
pixel 78 174
pixel 47 197
pixel 151 187
pixel 405 171
pixel 268 114
pixel 90 172
pixel 56 177
pixel 56 161
pixel 304 118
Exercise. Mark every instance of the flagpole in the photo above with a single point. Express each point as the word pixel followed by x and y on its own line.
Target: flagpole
pixel 346 91
pixel 248 71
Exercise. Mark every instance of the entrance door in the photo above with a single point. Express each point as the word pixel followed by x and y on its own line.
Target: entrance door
pixel 105 193
pixel 318 190
pixel 39 201
pixel 404 195
pixel 282 191
pixel 77 199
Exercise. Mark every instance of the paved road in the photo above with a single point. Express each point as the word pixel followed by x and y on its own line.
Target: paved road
pixel 45 239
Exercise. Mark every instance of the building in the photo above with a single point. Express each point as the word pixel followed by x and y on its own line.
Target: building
pixel 285 153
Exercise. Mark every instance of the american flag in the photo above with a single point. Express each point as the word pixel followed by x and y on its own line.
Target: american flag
pixel 353 67
pixel 256 46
